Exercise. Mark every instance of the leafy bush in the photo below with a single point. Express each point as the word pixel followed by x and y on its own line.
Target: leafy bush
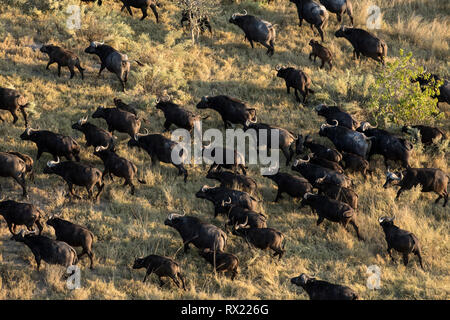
pixel 395 98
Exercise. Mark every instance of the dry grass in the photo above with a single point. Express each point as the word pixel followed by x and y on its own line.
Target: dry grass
pixel 127 226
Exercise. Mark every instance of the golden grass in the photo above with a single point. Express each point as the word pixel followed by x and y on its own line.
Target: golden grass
pixel 127 226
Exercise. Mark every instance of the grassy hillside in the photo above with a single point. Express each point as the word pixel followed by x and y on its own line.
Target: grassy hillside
pixel 130 226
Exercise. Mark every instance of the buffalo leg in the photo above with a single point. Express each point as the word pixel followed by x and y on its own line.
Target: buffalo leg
pixel 181 277
pixel 287 154
pixel 278 196
pixel 10 227
pixel 38 261
pixel 72 72
pixel 71 191
pixel 24 114
pixel 102 67
pixel 49 63
pixel 405 259
pixel 176 281
pixel 417 253
pixel 320 32
pixel 445 199
pixel 59 70
pixel 296 95
pixel 13 113
pixel 81 70
pixel 320 220
pixel 323 63
pixel 153 7
pixel 389 250
pixel 144 13
pixel 356 230
pixel 161 282
pixel 251 43
pixel 21 180
pixel 148 273
pixel 39 226
pixel 288 89
pixel 398 193
pixel 167 124
pixel 129 10
pixel 100 188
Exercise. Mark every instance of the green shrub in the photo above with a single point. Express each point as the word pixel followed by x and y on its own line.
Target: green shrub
pixel 395 99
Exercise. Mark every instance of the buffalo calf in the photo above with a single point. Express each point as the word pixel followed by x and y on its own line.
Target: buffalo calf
pixel 222 261
pixel 64 58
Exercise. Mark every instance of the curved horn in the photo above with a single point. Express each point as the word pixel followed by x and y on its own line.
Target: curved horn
pixel 256 119
pixel 101 148
pixel 392 219
pixel 306 195
pixel 242 225
pixel 320 180
pixel 52 163
pixel 225 203
pixel 381 219
pixel 337 122
pixel 233 16
pixel 245 12
pixel 277 67
pixel 157 100
pixel 205 187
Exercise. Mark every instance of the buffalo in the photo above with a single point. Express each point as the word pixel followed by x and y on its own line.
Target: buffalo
pixel 17 214
pixel 400 240
pixel 112 60
pixel 332 210
pixel 346 139
pixel 49 250
pixel 315 14
pixel 77 174
pixel 162 267
pixel 364 43
pixel 256 30
pixel 64 58
pixel 232 110
pixel 222 261
pixel 262 238
pixel 118 166
pixel 296 79
pixel 320 51
pixel 201 234
pixel 159 148
pixel 143 5
pixel 336 113
pixel 431 180
pixel 54 143
pixel 74 235
pixel 118 119
pixel 11 100
pixel 339 7
pixel 323 290
pixel 14 167
pixel 220 196
pixel 94 135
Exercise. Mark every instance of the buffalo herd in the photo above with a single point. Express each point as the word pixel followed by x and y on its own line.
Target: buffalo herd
pixel 318 177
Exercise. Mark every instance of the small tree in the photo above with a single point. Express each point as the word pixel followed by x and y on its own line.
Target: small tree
pixel 396 98
pixel 195 11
